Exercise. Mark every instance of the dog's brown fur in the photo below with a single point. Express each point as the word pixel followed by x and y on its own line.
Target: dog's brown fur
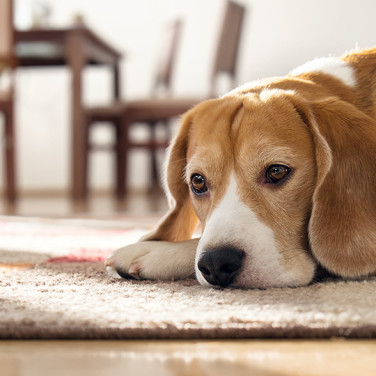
pixel 320 126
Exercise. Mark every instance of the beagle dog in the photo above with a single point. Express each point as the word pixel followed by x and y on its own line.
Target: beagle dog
pixel 281 173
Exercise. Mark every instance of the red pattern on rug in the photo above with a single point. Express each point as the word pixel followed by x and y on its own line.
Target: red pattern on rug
pixel 84 255
pixel 63 241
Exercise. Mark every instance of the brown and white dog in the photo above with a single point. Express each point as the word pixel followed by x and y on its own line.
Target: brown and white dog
pixel 282 175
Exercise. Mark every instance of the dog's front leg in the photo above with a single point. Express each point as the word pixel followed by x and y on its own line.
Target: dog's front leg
pixel 159 260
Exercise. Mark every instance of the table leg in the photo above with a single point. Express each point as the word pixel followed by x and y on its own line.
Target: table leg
pixel 76 61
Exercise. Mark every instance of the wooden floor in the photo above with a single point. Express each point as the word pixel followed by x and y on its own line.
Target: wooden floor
pixel 98 206
pixel 150 358
pixel 183 358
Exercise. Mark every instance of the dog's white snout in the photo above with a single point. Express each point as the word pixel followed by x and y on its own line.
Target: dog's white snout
pixel 235 225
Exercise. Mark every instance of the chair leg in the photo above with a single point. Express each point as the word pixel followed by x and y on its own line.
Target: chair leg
pixel 86 156
pixel 122 147
pixel 153 157
pixel 10 168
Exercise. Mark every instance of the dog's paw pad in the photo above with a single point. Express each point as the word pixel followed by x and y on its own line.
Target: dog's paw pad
pixel 132 273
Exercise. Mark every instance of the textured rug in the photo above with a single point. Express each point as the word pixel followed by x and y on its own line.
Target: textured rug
pixel 53 285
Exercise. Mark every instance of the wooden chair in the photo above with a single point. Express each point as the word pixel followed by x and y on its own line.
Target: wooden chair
pixel 7 61
pixel 156 110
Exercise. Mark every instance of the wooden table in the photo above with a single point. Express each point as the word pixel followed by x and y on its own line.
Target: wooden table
pixel 75 48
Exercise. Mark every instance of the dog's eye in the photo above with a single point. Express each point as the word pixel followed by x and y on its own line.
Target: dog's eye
pixel 276 173
pixel 198 184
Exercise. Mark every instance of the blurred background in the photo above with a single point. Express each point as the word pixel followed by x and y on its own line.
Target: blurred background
pixel 276 36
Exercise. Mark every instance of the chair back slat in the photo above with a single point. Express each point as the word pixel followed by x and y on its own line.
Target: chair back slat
pixel 167 56
pixel 6 30
pixel 229 41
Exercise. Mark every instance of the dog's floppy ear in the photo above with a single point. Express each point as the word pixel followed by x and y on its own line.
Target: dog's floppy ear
pixel 181 220
pixel 342 227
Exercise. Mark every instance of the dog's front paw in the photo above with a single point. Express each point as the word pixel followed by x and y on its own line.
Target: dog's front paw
pixel 154 260
pixel 129 262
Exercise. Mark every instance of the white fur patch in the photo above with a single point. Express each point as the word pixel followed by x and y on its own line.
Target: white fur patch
pixel 154 260
pixel 329 65
pixel 267 94
pixel 234 224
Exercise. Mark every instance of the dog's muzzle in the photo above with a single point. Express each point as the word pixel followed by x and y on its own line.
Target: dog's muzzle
pixel 219 267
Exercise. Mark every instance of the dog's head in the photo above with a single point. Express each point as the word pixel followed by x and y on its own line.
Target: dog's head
pixel 280 186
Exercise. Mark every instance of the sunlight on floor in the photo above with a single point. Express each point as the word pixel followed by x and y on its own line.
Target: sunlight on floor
pixel 98 206
pixel 188 358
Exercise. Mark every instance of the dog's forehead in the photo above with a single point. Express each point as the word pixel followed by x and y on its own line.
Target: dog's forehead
pixel 214 118
pixel 243 123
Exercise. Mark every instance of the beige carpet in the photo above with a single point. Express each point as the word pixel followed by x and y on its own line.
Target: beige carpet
pixel 53 285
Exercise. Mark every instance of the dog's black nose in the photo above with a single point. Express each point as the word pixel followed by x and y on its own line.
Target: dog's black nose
pixel 219 267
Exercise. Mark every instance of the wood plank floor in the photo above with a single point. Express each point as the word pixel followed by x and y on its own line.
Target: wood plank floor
pixel 183 358
pixel 98 206
pixel 160 358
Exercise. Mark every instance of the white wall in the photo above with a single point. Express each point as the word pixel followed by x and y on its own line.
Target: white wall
pixel 278 36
